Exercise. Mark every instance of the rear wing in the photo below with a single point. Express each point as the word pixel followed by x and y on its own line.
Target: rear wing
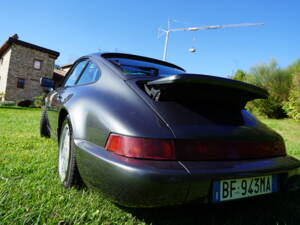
pixel 193 86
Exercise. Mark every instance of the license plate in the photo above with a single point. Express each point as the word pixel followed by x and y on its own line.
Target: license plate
pixel 224 190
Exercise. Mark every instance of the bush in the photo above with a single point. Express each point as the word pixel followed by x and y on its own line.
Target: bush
pixel 267 107
pixel 7 103
pixel 25 103
pixel 38 101
pixel 292 107
pixel 276 80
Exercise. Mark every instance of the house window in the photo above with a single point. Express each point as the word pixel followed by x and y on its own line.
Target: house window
pixel 37 64
pixel 1 61
pixel 21 83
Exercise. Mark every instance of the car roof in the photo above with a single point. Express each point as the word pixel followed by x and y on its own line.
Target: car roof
pixel 106 55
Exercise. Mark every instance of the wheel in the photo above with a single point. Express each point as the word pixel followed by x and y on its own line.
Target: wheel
pixel 44 125
pixel 67 166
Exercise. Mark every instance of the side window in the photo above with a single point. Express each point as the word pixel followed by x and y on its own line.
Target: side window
pixel 75 73
pixel 20 83
pixel 90 74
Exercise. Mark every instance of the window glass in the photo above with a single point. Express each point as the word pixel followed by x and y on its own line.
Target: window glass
pixel 75 73
pixel 37 64
pixel 20 83
pixel 141 67
pixel 90 74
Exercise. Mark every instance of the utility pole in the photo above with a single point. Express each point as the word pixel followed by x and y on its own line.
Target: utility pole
pixel 209 27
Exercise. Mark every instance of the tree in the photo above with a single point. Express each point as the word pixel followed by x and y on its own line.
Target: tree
pixel 292 107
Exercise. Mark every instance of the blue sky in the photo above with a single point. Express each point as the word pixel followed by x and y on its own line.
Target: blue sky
pixel 75 28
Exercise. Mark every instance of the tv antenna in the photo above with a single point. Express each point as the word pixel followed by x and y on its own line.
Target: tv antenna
pixel 209 27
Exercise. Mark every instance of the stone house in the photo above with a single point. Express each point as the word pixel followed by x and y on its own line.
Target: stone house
pixel 22 64
pixel 59 74
pixel 66 67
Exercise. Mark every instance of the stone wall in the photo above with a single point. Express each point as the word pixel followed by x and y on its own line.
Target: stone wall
pixel 4 66
pixel 21 66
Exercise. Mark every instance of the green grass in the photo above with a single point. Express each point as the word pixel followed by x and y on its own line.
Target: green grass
pixel 30 191
pixel 290 130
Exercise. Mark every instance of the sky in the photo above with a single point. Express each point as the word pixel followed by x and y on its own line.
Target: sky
pixel 76 28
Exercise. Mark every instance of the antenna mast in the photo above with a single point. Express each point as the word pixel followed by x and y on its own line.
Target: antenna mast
pixel 209 27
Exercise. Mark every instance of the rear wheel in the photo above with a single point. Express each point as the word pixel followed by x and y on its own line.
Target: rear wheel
pixel 67 166
pixel 44 125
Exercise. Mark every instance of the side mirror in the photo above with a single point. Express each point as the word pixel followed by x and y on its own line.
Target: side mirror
pixel 47 83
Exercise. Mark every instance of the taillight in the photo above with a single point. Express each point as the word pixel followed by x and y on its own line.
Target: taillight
pixel 168 149
pixel 209 150
pixel 141 147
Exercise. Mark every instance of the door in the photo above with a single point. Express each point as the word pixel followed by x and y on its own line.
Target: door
pixel 60 97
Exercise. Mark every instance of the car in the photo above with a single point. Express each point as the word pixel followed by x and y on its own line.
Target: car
pixel 146 133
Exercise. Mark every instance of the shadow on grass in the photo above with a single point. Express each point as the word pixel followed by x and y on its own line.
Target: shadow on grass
pixel 279 209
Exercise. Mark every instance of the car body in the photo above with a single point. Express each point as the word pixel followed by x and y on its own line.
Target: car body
pixel 147 134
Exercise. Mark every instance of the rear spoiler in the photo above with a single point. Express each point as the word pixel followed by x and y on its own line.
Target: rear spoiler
pixel 201 82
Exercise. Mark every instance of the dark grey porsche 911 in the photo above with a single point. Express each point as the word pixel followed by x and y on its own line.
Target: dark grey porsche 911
pixel 146 134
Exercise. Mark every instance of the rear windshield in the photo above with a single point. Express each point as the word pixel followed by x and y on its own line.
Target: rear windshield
pixel 140 67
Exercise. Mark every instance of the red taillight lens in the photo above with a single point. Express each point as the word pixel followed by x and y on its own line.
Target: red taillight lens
pixel 162 149
pixel 209 150
pixel 141 147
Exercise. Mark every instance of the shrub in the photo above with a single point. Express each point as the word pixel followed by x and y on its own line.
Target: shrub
pixel 38 101
pixel 294 67
pixel 25 103
pixel 267 107
pixel 276 80
pixel 292 107
pixel 7 103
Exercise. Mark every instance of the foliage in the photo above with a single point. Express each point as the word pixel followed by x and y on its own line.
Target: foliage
pixel 38 101
pixel 276 80
pixel 240 75
pixel 294 67
pixel 292 106
pixel 25 103
pixel 7 103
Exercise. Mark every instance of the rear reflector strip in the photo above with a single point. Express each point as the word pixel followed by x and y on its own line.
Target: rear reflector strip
pixel 167 149
pixel 199 150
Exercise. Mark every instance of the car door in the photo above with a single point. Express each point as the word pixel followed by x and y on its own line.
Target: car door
pixel 60 97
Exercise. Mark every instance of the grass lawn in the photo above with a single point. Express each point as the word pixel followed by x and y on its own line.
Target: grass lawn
pixel 30 191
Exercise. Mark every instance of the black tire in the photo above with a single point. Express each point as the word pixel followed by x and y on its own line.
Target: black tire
pixel 72 177
pixel 44 125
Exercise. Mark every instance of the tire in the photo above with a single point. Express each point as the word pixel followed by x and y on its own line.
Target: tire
pixel 44 125
pixel 67 166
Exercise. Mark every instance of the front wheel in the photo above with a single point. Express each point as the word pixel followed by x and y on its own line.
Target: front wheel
pixel 67 166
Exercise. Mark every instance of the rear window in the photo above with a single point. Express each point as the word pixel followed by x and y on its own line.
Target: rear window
pixel 143 68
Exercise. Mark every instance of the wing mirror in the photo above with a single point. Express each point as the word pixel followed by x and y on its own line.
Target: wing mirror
pixel 47 83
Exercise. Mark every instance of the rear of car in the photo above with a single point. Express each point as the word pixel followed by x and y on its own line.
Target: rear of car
pixel 218 150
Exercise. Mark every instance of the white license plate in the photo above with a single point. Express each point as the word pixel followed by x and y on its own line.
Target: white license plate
pixel 224 190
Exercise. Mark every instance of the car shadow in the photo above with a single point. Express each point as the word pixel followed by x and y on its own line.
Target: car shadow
pixel 279 209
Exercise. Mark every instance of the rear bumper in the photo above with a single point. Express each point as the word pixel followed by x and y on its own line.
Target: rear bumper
pixel 149 183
